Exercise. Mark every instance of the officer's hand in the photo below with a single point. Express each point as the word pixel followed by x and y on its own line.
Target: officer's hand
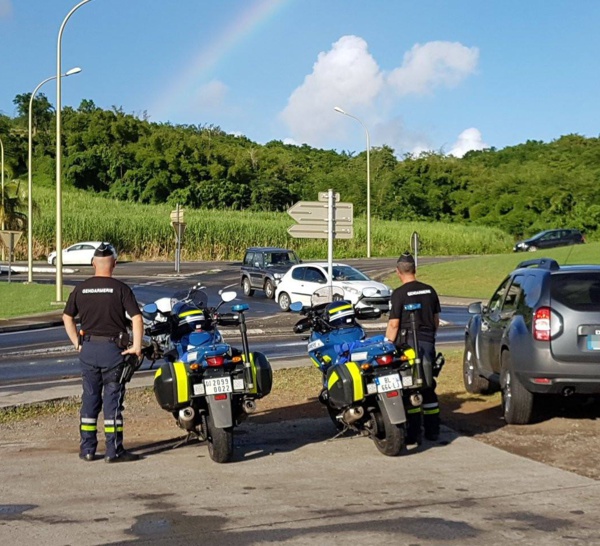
pixel 133 351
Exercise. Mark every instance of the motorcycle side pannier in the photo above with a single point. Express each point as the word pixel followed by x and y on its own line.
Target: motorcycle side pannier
pixel 345 384
pixel 171 386
pixel 262 374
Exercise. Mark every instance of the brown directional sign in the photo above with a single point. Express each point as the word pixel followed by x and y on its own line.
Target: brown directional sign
pixel 316 212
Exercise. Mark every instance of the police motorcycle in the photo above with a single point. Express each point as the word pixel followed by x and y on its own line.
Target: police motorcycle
pixel 365 380
pixel 207 384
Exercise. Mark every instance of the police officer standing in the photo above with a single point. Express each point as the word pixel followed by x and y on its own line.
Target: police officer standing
pixel 100 302
pixel 399 331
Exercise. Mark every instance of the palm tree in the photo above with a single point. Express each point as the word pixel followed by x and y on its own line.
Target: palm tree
pixel 12 203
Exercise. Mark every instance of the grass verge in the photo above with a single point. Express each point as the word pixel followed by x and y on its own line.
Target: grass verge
pixel 21 299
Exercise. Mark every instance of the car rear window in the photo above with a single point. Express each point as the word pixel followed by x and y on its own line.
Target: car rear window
pixel 579 291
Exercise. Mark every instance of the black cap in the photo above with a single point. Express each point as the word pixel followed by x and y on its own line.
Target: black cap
pixel 406 258
pixel 105 250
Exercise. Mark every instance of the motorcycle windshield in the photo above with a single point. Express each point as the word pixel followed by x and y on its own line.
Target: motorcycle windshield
pixel 326 294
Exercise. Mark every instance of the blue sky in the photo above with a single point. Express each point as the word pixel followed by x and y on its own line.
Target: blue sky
pixel 421 75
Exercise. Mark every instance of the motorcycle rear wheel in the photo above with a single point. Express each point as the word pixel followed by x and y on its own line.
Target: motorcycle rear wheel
pixel 389 438
pixel 220 441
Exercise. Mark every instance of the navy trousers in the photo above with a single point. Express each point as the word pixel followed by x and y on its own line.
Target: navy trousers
pixel 101 368
pixel 427 415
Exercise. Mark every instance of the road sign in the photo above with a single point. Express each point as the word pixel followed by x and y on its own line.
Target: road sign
pixel 10 238
pixel 320 231
pixel 324 196
pixel 177 216
pixel 316 212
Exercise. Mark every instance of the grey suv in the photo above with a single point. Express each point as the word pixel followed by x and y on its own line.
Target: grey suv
pixel 263 268
pixel 539 334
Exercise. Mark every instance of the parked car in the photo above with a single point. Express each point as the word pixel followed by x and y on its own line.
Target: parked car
pixel 550 239
pixel 299 283
pixel 77 254
pixel 263 268
pixel 538 335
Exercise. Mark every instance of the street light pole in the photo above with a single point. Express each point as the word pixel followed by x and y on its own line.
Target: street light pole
pixel 2 165
pixel 59 279
pixel 339 110
pixel 30 183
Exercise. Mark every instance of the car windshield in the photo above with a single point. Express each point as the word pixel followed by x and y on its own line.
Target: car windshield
pixel 579 291
pixel 281 258
pixel 347 273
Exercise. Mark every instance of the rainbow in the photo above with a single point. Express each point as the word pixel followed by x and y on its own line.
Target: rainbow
pixel 256 14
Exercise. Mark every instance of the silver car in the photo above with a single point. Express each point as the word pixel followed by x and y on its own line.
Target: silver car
pixel 539 334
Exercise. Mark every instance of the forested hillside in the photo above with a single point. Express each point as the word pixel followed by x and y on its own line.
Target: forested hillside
pixel 520 189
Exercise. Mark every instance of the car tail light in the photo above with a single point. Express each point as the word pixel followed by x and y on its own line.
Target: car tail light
pixel 546 324
pixel 384 360
pixel 214 361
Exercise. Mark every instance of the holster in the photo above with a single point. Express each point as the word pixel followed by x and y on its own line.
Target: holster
pixel 123 340
pixel 130 365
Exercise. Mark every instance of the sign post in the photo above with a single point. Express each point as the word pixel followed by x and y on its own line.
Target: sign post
pixel 179 226
pixel 414 246
pixel 10 239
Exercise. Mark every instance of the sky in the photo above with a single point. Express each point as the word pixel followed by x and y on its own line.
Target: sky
pixel 439 75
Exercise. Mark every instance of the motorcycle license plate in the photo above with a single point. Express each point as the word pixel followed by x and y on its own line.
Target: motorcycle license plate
pixel 386 383
pixel 218 385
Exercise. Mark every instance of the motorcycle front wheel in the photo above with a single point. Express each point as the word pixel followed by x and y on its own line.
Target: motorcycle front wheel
pixel 388 438
pixel 220 441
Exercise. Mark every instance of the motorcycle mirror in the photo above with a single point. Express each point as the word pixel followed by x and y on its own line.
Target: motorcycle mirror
pixel 296 307
pixel 228 296
pixel 150 308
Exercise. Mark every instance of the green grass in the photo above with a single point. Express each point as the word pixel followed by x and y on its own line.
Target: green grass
pixel 20 299
pixel 478 277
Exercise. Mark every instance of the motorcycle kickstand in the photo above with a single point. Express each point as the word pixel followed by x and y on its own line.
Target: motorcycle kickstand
pixel 187 439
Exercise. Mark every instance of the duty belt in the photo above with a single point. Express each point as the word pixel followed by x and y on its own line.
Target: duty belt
pixel 90 337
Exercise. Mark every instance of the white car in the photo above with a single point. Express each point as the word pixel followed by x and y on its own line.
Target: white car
pixel 299 283
pixel 77 254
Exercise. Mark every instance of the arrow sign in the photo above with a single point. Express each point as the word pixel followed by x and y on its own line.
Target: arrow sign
pixel 319 231
pixel 315 212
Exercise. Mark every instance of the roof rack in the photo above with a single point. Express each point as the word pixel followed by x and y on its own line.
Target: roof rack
pixel 541 263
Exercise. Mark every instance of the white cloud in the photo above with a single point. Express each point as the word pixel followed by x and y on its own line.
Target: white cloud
pixel 211 95
pixel 469 139
pixel 432 65
pixel 348 76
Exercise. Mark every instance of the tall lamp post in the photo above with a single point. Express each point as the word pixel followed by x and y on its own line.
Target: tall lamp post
pixel 2 166
pixel 30 184
pixel 59 279
pixel 339 110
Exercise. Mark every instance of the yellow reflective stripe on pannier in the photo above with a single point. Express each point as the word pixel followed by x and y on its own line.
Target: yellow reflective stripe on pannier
pixel 254 389
pixel 89 428
pixel 158 373
pixel 181 378
pixel 188 313
pixel 340 308
pixel 357 380
pixel 333 378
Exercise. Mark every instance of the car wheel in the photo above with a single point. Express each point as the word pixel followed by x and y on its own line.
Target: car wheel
pixel 474 383
pixel 517 401
pixel 284 301
pixel 247 287
pixel 532 249
pixel 269 289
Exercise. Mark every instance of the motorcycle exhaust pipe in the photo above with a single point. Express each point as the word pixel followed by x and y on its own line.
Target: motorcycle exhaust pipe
pixel 249 406
pixel 353 414
pixel 186 418
pixel 416 399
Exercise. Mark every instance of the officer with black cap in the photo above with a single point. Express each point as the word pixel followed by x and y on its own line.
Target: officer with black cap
pixel 100 303
pixel 427 321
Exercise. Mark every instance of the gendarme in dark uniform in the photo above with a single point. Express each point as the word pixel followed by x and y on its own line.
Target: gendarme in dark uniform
pixel 100 303
pixel 399 330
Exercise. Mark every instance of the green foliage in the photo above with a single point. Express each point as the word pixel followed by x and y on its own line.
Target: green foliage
pixel 519 190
